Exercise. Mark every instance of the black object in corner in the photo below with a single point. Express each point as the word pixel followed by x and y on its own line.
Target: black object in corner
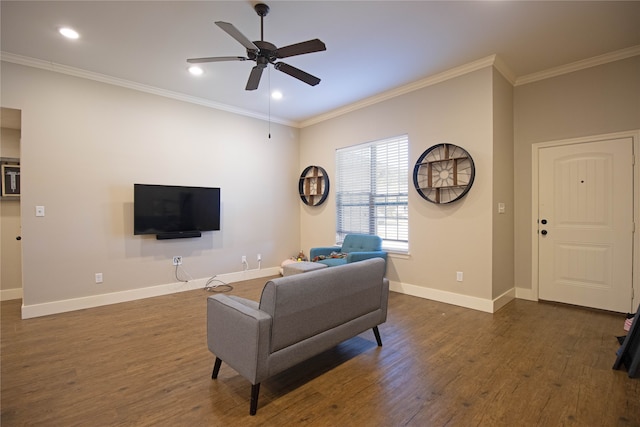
pixel 629 352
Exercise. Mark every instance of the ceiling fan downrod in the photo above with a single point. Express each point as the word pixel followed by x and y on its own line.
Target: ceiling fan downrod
pixel 262 10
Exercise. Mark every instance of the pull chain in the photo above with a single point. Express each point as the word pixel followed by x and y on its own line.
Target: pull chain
pixel 269 98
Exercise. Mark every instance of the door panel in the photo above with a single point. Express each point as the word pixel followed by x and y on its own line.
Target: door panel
pixel 585 247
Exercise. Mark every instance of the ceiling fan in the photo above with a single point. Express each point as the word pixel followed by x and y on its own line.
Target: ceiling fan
pixel 265 53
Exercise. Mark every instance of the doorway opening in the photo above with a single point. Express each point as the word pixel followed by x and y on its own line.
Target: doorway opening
pixel 10 211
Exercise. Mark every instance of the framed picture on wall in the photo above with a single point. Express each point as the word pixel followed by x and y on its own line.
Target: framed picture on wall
pixel 10 180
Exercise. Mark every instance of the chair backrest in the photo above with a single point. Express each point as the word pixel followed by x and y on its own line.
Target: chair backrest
pixel 361 243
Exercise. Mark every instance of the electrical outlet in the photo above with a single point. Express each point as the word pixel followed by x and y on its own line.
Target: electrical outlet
pixel 259 257
pixel 98 278
pixel 177 260
pixel 244 259
pixel 459 276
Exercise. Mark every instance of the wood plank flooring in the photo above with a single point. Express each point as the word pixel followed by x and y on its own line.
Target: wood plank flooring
pixel 146 363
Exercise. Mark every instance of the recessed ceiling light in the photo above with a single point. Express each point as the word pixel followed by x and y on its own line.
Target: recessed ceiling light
pixel 69 33
pixel 276 94
pixel 196 71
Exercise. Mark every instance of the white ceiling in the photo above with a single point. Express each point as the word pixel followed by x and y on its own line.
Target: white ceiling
pixel 372 46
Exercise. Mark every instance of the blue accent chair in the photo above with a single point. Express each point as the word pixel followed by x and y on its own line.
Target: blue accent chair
pixel 357 247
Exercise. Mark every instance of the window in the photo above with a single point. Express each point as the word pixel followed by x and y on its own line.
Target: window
pixel 372 191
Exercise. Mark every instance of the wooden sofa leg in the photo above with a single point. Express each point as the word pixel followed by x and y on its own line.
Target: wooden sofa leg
pixel 216 368
pixel 255 389
pixel 377 334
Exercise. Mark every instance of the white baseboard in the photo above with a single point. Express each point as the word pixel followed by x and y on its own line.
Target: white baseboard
pixel 475 303
pixel 249 274
pixel 522 293
pixel 504 299
pixel 55 307
pixel 8 294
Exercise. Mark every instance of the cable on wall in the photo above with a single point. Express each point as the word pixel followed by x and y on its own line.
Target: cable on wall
pixel 179 279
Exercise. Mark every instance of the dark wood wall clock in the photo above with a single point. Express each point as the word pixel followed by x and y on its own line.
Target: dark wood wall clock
pixel 313 185
pixel 444 173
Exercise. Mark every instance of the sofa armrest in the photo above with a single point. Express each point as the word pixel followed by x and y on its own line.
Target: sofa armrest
pixel 359 256
pixel 238 333
pixel 255 305
pixel 322 250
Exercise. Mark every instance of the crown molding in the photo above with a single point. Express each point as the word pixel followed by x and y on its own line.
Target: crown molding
pixel 504 69
pixel 429 81
pixel 579 65
pixel 492 60
pixel 488 61
pixel 103 78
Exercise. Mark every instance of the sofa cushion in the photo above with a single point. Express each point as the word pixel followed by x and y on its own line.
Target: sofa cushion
pixel 332 262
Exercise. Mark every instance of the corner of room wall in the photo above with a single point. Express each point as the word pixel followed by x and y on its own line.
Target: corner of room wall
pixel 503 197
pixel 84 144
pixel 458 111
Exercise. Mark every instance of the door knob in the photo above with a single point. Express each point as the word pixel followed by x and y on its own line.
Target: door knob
pixel 544 221
pixel 543 232
pixel 18 237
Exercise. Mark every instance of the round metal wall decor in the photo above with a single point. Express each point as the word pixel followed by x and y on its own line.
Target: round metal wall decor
pixel 313 185
pixel 444 173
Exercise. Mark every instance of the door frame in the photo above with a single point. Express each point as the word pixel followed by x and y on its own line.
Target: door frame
pixel 535 163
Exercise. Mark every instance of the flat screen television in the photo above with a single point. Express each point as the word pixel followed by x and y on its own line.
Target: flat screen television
pixel 171 211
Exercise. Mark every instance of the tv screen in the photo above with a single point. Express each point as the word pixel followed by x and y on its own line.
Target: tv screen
pixel 167 209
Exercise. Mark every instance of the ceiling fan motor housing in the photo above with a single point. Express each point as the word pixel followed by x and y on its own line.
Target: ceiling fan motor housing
pixel 267 51
pixel 261 9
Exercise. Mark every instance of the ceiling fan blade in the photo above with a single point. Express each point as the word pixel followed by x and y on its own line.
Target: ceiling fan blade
pixel 297 73
pixel 254 77
pixel 236 34
pixel 216 59
pixel 309 46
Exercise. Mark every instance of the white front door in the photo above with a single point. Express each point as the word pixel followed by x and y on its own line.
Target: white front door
pixel 585 224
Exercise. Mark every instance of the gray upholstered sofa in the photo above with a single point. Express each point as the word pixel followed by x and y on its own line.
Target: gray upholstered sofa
pixel 297 317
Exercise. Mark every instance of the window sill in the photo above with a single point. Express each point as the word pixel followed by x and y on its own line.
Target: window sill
pixel 397 254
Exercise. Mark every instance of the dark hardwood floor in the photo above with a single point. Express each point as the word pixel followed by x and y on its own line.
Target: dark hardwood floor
pixel 146 363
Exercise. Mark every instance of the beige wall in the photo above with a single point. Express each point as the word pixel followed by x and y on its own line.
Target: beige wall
pixel 10 276
pixel 10 143
pixel 84 145
pixel 503 239
pixel 593 101
pixel 443 238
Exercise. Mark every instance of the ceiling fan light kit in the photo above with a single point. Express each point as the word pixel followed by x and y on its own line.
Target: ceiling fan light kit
pixel 264 53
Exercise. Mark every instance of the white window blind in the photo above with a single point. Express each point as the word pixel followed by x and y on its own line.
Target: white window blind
pixel 372 191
